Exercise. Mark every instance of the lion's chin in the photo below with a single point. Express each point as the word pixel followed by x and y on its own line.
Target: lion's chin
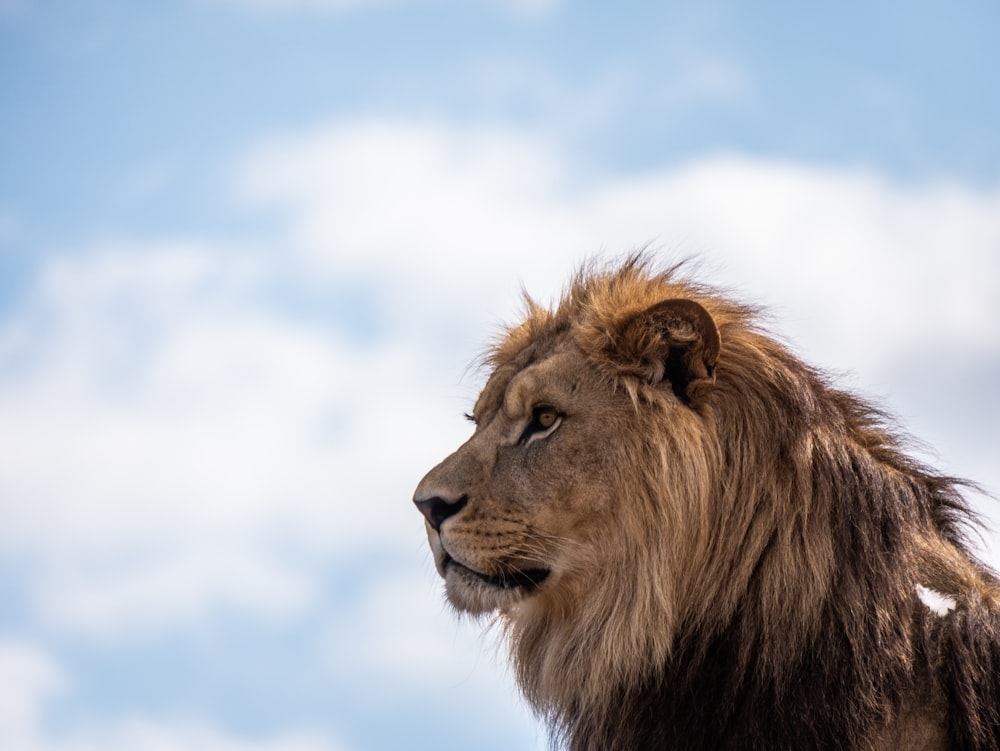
pixel 475 592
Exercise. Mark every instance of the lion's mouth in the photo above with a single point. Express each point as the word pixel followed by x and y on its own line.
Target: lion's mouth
pixel 527 579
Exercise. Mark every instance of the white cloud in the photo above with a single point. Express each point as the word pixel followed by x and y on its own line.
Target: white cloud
pixel 864 268
pixel 434 646
pixel 145 735
pixel 854 257
pixel 421 199
pixel 172 447
pixel 402 634
pixel 145 592
pixel 30 679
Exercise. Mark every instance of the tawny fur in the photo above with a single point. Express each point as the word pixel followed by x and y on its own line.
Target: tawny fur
pixel 733 546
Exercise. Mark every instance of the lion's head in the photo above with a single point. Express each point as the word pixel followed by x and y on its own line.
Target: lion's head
pixel 581 498
pixel 657 491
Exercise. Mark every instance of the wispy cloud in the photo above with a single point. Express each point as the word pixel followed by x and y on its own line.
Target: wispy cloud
pixel 166 435
pixel 30 680
pixel 839 248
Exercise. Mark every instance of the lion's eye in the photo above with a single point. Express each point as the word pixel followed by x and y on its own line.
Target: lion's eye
pixel 544 419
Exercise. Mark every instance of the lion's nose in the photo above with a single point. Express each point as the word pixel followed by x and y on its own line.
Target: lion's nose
pixel 437 509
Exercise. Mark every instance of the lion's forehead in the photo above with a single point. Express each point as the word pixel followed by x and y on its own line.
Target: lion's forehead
pixel 515 387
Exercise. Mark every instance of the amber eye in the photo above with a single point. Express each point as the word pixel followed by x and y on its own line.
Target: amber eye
pixel 544 419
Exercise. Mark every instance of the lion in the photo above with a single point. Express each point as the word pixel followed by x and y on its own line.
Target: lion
pixel 693 540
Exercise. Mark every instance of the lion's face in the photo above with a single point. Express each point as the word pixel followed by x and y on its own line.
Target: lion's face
pixel 516 512
pixel 589 420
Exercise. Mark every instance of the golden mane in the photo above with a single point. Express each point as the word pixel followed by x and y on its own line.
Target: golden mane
pixel 747 566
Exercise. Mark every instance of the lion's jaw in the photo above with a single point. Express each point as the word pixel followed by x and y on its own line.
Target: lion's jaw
pixel 483 586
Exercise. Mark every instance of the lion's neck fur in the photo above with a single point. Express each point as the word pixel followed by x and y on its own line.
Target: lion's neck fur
pixel 795 579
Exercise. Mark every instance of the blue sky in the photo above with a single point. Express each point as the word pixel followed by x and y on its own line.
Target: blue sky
pixel 248 249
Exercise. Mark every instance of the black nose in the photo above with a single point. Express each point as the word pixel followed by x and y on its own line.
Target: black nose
pixel 437 509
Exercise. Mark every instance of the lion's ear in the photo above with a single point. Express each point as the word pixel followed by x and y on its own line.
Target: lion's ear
pixel 675 341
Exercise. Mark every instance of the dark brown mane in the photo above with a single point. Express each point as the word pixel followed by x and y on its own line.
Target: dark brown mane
pixel 844 645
